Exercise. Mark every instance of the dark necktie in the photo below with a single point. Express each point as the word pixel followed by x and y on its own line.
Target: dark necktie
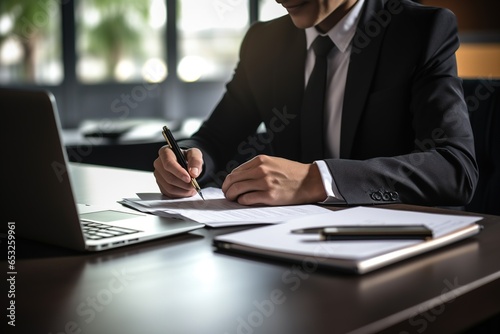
pixel 313 105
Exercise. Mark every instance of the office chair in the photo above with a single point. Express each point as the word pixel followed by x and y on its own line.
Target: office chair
pixel 483 101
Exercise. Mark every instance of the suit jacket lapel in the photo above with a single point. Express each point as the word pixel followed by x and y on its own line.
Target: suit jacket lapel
pixel 364 56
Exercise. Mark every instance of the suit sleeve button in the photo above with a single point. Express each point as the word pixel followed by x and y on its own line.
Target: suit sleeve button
pixel 394 196
pixel 376 196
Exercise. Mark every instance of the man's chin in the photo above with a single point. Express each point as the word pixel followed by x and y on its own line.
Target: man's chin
pixel 301 23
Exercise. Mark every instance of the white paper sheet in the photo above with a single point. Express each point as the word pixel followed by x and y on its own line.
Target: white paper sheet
pixel 279 237
pixel 216 210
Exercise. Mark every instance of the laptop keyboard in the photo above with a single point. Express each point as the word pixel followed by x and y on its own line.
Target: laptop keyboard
pixel 97 231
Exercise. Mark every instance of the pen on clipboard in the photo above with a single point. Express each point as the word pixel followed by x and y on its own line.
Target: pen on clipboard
pixel 180 157
pixel 369 232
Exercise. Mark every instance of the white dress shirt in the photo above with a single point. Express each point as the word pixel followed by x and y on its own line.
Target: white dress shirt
pixel 338 62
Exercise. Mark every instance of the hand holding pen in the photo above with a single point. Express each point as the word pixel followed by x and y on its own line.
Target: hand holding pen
pixel 174 175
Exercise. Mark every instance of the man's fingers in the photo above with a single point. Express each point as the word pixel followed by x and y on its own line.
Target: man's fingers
pixel 194 159
pixel 252 163
pixel 238 184
pixel 172 186
pixel 172 179
pixel 170 164
pixel 254 170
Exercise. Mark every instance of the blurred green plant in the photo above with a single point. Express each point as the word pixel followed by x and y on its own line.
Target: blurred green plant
pixel 28 20
pixel 116 32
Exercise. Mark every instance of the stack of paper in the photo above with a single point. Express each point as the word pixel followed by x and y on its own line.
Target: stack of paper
pixel 358 256
pixel 216 210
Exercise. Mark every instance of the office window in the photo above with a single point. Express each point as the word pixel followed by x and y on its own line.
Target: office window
pixel 89 53
pixel 30 42
pixel 120 40
pixel 269 9
pixel 210 33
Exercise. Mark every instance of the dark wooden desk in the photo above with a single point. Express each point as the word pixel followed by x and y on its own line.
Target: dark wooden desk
pixel 180 285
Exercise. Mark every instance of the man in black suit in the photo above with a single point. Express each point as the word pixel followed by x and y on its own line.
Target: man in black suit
pixel 395 126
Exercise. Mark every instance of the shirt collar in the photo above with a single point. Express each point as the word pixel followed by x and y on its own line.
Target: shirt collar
pixel 343 32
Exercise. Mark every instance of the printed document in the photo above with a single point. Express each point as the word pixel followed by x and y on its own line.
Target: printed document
pixel 216 210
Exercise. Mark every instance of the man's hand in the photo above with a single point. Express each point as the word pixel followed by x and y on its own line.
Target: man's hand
pixel 172 179
pixel 274 181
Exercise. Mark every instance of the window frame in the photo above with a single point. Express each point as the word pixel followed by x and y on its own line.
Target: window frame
pixel 172 97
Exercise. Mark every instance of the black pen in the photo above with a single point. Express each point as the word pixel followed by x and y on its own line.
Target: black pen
pixel 180 157
pixel 369 232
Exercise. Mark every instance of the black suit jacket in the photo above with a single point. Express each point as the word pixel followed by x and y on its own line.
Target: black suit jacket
pixel 405 133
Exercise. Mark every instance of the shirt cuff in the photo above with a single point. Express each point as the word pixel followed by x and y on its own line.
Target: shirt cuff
pixel 333 194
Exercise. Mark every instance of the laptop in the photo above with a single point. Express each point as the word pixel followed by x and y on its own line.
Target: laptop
pixel 40 199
